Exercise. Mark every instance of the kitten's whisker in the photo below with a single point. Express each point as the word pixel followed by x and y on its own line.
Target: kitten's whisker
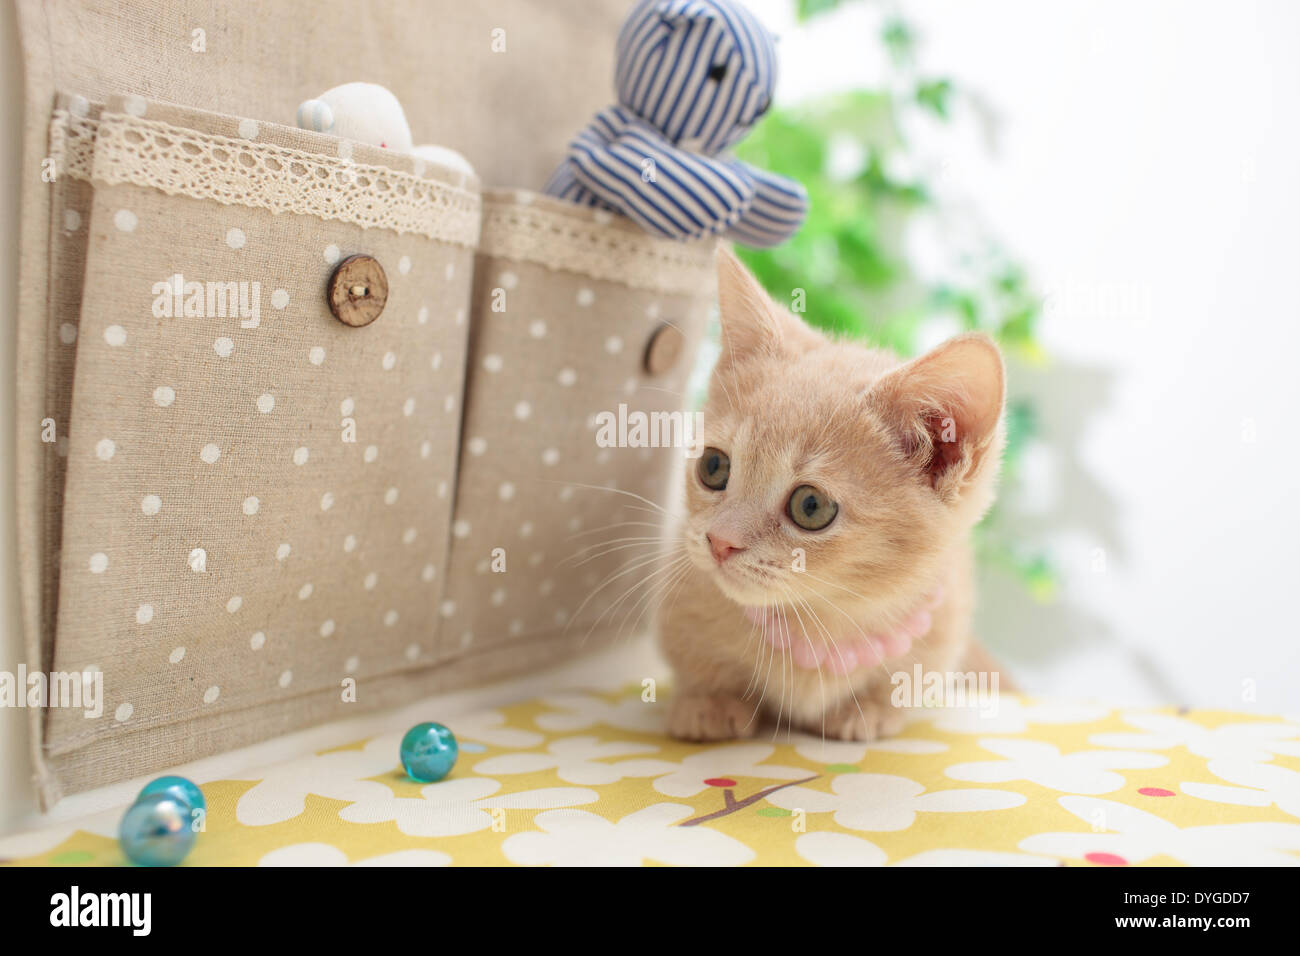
pixel 618 491
pixel 856 626
pixel 676 588
pixel 609 579
pixel 839 653
pixel 830 640
pixel 680 569
pixel 821 684
pixel 676 392
pixel 786 659
pixel 647 580
pixel 632 538
pixel 860 597
pixel 848 617
pixel 916 640
pixel 625 568
pixel 762 697
pixel 616 524
pixel 780 707
pixel 644 601
pixel 642 509
pixel 685 577
pixel 753 672
pixel 852 620
pixel 612 547
pixel 663 574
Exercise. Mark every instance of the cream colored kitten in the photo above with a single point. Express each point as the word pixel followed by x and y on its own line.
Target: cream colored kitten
pixel 866 472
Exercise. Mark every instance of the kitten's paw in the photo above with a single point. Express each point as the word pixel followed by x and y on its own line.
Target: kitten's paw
pixel 864 721
pixel 710 717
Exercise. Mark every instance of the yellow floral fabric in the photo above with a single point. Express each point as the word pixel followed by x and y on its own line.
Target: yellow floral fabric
pixel 587 777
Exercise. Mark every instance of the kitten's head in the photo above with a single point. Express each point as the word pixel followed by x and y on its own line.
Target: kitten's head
pixel 827 455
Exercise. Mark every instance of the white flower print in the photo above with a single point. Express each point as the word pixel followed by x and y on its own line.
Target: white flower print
pixel 456 807
pixel 839 849
pixel 304 854
pixel 577 760
pixel 955 857
pixel 580 711
pixel 1014 716
pixel 883 802
pixel 1257 785
pixel 1133 835
pixel 486 726
pixel 847 751
pixel 843 849
pixel 340 775
pixel 413 857
pixel 323 854
pixel 579 838
pixel 744 760
pixel 1255 740
pixel 1086 771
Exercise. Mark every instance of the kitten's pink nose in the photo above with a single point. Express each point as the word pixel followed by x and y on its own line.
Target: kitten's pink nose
pixel 721 547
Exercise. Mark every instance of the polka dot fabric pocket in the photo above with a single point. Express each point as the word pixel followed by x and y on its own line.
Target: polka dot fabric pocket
pixel 71 144
pixel 584 335
pixel 258 495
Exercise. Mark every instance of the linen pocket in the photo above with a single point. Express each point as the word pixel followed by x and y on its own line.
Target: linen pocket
pixel 258 494
pixel 583 326
pixel 71 150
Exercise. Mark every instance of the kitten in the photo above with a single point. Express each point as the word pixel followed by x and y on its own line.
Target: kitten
pixel 866 471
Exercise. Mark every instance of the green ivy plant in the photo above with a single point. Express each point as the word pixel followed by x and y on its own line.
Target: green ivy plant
pixel 850 259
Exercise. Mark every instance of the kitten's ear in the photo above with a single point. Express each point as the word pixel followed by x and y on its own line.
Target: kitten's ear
pixel 946 410
pixel 752 323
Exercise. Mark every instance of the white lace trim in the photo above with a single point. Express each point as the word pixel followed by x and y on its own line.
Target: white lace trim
pixel 72 144
pixel 532 228
pixel 185 162
pixel 512 224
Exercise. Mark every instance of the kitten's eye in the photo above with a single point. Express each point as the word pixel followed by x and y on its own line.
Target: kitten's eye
pixel 718 72
pixel 810 509
pixel 714 468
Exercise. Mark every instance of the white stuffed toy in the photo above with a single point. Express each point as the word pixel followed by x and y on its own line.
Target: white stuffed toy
pixel 370 113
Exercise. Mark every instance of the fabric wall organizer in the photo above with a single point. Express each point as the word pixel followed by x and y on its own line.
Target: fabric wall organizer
pixel 251 504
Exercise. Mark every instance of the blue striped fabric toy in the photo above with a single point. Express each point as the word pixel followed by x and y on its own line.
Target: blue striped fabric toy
pixel 693 77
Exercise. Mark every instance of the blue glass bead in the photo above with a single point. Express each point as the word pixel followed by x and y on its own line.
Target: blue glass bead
pixel 157 831
pixel 184 790
pixel 428 752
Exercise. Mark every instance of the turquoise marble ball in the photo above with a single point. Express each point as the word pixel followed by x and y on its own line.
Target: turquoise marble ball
pixel 184 790
pixel 157 830
pixel 428 752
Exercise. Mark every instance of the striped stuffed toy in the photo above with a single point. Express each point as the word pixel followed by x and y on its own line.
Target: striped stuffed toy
pixel 693 77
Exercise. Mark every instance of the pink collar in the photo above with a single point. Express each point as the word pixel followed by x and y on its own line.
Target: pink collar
pixel 788 629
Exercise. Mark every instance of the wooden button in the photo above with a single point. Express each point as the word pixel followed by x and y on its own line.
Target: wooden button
pixel 358 291
pixel 664 348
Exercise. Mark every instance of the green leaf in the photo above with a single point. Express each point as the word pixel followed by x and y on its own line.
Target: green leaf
pixel 934 95
pixel 898 40
pixel 807 9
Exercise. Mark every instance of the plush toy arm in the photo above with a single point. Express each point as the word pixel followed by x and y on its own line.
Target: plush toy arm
pixel 667 191
pixel 777 212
